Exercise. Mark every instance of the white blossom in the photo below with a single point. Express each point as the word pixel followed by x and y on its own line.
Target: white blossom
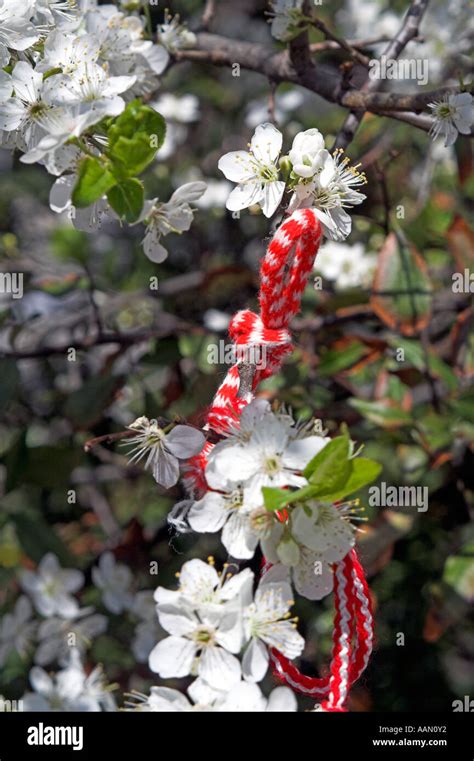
pixel 68 52
pixel 267 623
pixel 329 193
pixel 240 515
pixel 243 697
pixel 115 581
pixel 55 635
pixel 173 35
pixel 17 630
pixel 201 587
pixel 16 30
pixel 164 450
pixel 122 43
pixel 309 157
pixel 454 115
pixel 256 172
pixel 315 536
pixel 174 216
pixel 206 642
pixel 70 689
pixel 51 587
pixel 267 450
pixel 91 87
pixel 348 266
pixel 30 103
pixel 287 18
pixel 204 619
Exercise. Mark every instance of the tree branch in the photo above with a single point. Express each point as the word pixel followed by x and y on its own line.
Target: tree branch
pixel 407 32
pixel 121 339
pixel 293 66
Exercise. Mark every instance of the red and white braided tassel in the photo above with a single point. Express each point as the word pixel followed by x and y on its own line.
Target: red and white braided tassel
pixel 283 276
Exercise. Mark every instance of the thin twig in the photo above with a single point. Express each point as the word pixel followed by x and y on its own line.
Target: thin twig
pixel 121 339
pixel 407 32
pixel 208 14
pixel 296 66
pixel 271 103
pixel 380 174
pixel 108 438
pixel 344 44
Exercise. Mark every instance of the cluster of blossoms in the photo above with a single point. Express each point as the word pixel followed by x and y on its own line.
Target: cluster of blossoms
pixel 309 173
pixel 67 73
pixel 70 689
pixel 211 619
pixel 346 266
pixel 269 450
pixel 64 625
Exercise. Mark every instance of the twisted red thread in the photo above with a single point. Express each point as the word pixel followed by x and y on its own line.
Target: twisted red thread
pixel 361 630
pixel 283 276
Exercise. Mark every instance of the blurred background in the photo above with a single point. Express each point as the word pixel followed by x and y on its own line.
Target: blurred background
pixel 384 343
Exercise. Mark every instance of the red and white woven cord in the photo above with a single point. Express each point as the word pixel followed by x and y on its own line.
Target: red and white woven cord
pixel 283 276
pixel 352 621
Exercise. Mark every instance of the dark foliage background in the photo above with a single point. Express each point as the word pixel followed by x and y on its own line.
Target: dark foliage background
pixel 144 352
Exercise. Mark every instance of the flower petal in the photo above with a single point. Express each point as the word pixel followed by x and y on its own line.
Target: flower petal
pixel 220 669
pixel 166 469
pixel 176 620
pixel 244 196
pixel 237 166
pixel 198 579
pixel 237 537
pixel 172 657
pixel 299 452
pixel 255 661
pixel 266 143
pixel 282 699
pixel 272 195
pixel 208 514
pixel 183 441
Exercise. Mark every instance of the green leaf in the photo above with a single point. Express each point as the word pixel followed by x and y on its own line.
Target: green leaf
pixel 464 405
pixel 132 154
pixel 416 356
pixel 275 499
pixel 381 413
pixel 364 471
pixel 138 118
pixel 402 291
pixel 334 360
pixel 93 181
pixel 126 199
pixel 331 467
pixel 459 571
